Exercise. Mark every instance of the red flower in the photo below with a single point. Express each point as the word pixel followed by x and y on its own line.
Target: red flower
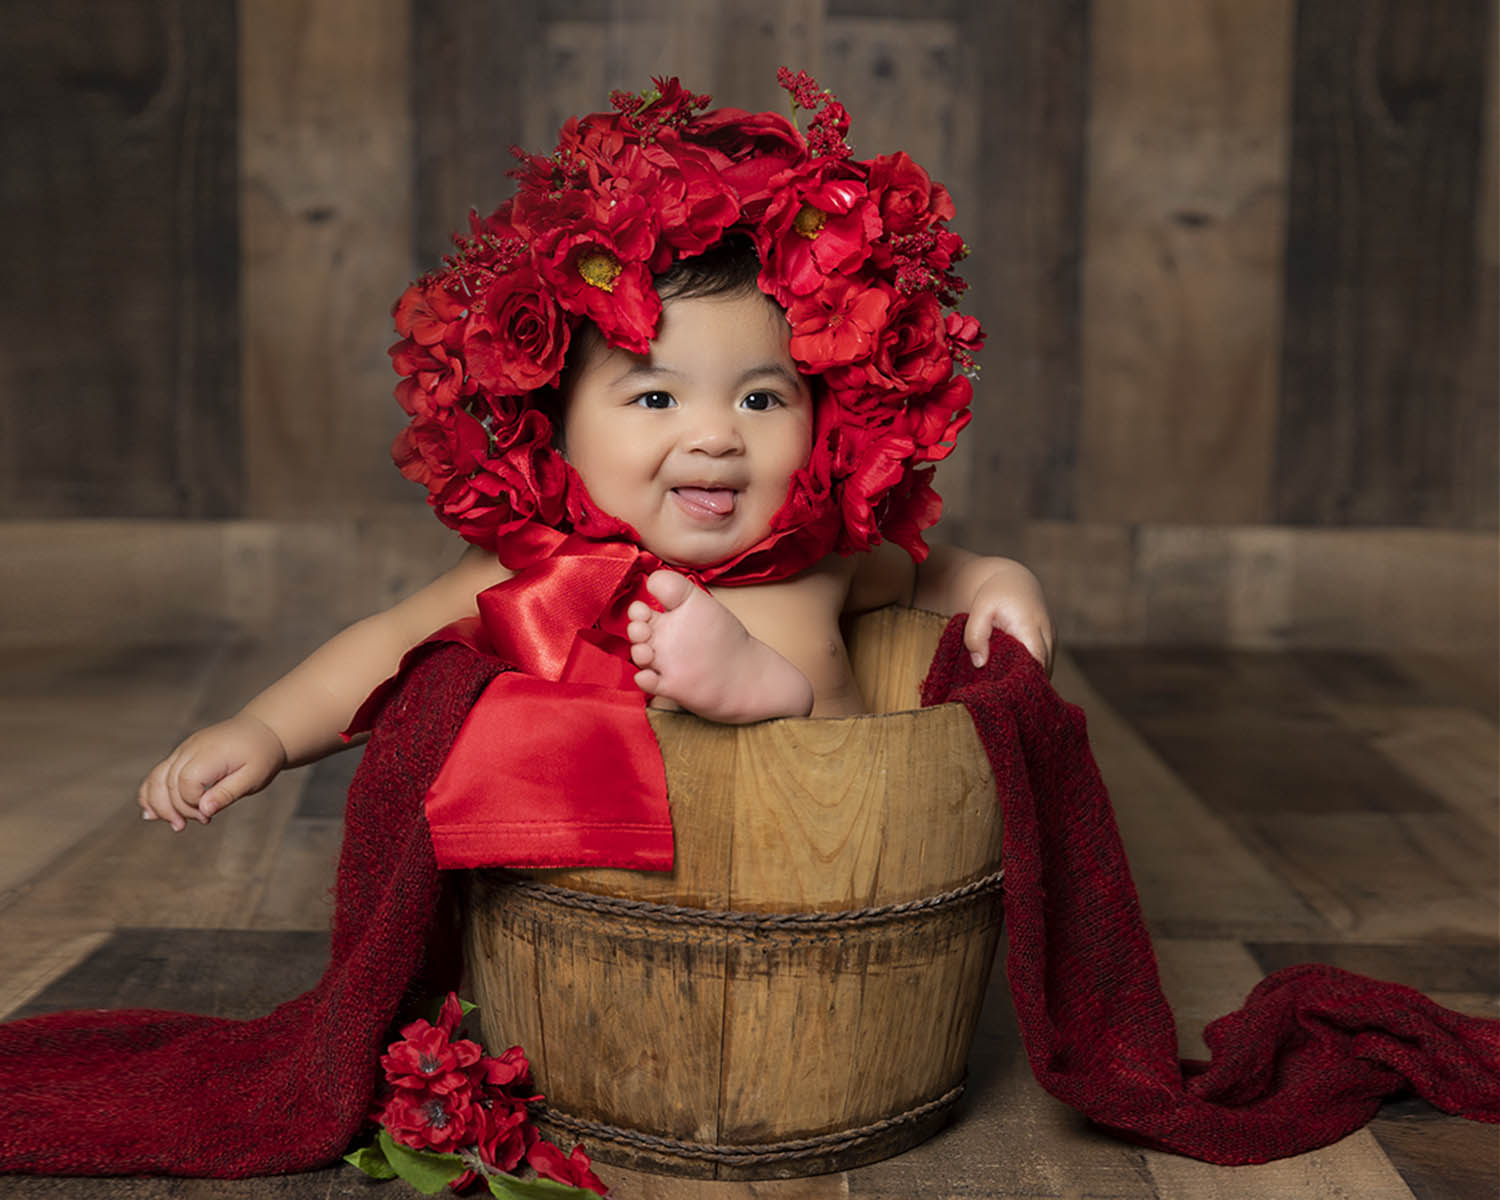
pixel 508 1074
pixel 434 379
pixel 820 223
pixel 424 312
pixel 506 1137
pixel 911 353
pixel 425 1059
pixel 836 325
pixel 518 337
pixel 696 206
pixel 548 1162
pixel 596 260
pixel 908 200
pixel 936 418
pixel 441 1121
pixel 759 147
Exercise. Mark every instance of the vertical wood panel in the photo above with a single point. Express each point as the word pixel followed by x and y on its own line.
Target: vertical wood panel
pixel 467 101
pixel 1027 65
pixel 118 325
pixel 1381 279
pixel 1184 237
pixel 326 177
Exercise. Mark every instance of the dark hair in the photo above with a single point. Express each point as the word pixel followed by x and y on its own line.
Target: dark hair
pixel 726 268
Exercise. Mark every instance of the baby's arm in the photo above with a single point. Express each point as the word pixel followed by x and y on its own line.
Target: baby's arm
pixel 299 717
pixel 997 593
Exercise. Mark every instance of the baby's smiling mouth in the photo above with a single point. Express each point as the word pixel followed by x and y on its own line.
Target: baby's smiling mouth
pixel 706 502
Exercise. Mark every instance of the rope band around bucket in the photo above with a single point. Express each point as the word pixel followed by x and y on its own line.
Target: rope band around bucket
pixel 752 1153
pixel 674 914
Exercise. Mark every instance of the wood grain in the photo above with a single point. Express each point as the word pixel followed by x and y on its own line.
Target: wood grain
pixel 119 341
pixel 1027 65
pixel 1382 281
pixel 759 1036
pixel 325 178
pixel 1184 225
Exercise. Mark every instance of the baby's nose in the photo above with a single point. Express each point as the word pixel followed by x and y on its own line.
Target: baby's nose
pixel 717 435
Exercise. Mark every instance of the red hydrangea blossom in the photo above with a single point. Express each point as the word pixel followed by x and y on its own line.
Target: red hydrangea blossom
pixel 858 253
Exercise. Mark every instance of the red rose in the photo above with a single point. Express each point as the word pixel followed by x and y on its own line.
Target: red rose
pixel 837 325
pixel 548 1162
pixel 905 194
pixel 911 353
pixel 434 449
pixel 519 336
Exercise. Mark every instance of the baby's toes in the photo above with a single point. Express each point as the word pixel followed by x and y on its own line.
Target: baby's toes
pixel 642 654
pixel 648 681
pixel 638 631
pixel 669 587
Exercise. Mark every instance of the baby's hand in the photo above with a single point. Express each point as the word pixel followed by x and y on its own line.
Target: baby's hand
pixel 211 770
pixel 1010 599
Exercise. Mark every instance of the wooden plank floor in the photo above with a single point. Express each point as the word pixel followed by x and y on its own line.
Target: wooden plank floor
pixel 1277 807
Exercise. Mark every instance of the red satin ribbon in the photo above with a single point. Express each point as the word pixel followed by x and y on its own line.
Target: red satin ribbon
pixel 556 764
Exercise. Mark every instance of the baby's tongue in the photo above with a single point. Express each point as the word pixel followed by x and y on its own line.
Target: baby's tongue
pixel 719 500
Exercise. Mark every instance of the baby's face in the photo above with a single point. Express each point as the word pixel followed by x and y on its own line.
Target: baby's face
pixel 694 444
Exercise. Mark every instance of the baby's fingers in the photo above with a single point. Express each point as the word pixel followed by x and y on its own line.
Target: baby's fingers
pixel 977 632
pixel 155 800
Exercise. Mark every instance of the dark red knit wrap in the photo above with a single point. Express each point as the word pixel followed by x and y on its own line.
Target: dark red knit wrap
pixel 1307 1060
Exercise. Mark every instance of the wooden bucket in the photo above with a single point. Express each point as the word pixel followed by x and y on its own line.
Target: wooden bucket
pixel 799 994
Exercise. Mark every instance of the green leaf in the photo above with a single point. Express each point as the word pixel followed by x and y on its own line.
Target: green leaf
pixel 372 1161
pixel 508 1187
pixel 425 1170
pixel 432 1008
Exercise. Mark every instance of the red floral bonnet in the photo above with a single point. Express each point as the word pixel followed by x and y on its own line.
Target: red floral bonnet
pixel 857 253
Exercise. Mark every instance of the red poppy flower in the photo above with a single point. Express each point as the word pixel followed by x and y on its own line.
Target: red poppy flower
pixel 820 223
pixel 548 1162
pixel 596 263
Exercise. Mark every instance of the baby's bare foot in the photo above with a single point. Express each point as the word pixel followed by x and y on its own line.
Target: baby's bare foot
pixel 698 654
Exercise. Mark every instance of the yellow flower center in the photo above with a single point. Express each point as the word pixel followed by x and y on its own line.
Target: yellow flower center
pixel 600 269
pixel 810 221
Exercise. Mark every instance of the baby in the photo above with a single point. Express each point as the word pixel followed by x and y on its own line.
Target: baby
pixel 694 439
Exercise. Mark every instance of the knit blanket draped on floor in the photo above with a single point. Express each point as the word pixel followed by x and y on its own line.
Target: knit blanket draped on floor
pixel 1307 1060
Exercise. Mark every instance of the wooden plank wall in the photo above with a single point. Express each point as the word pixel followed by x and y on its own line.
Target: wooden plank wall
pixel 1237 261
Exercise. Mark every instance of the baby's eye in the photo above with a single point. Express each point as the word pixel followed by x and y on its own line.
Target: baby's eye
pixel 655 400
pixel 761 401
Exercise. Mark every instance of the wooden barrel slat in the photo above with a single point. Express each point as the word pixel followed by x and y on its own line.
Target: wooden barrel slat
pixel 718 1037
